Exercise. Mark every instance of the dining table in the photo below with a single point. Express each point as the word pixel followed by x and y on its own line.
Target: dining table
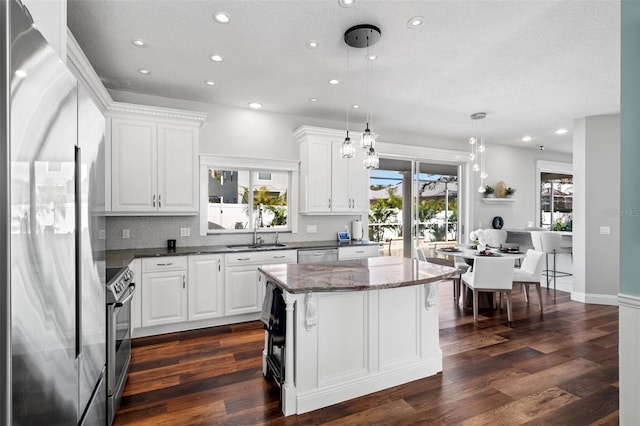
pixel 470 253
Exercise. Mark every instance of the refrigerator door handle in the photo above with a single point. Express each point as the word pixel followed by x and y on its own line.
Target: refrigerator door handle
pixel 78 219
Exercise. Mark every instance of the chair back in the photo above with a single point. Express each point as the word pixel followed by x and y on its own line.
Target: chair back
pixel 494 273
pixel 535 240
pixel 550 241
pixel 532 263
pixel 496 237
pixel 420 254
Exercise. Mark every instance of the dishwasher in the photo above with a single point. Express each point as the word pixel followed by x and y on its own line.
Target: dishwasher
pixel 318 255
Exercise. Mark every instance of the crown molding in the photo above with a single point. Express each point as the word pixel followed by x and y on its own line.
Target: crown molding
pixel 84 72
pixel 122 108
pixel 306 131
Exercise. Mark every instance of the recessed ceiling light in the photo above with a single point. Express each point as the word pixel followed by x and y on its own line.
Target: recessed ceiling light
pixel 139 42
pixel 222 17
pixel 20 73
pixel 334 81
pixel 371 56
pixel 355 106
pixel 415 22
pixel 144 71
pixel 561 131
pixel 312 44
pixel 216 58
pixel 313 99
pixel 209 82
pixel 526 139
pixel 255 105
pixel 346 3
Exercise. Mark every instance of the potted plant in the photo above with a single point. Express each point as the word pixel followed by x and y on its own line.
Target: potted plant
pixel 489 191
pixel 510 192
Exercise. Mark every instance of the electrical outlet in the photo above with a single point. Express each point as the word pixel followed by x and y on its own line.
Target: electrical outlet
pixel 605 230
pixel 312 229
pixel 185 232
pixel 102 234
pixel 125 234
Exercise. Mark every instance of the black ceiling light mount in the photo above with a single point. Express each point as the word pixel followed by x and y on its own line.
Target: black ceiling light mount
pixel 363 35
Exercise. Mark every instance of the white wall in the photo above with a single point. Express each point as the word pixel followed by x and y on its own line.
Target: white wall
pixel 516 167
pixel 596 148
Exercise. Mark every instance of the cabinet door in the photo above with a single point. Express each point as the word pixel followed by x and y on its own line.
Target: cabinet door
pixel 318 185
pixel 242 292
pixel 205 287
pixel 164 298
pixel 341 171
pixel 177 168
pixel 133 175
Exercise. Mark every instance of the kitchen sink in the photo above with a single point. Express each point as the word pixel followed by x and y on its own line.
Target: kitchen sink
pixel 256 246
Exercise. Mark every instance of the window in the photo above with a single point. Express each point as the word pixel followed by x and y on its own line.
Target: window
pixel 554 198
pixel 238 198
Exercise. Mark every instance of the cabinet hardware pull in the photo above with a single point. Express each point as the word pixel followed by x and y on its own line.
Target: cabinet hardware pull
pixel 278 257
pixel 184 283
pixel 329 202
pixel 164 264
pixel 359 251
pixel 154 200
pixel 159 200
pixel 218 265
pixel 243 258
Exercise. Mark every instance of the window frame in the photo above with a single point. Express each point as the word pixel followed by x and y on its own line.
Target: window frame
pixel 253 165
pixel 543 166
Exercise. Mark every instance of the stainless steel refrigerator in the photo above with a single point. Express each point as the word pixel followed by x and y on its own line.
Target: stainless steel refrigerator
pixel 52 269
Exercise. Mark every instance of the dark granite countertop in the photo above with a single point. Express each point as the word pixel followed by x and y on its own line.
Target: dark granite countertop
pixel 374 273
pixel 119 258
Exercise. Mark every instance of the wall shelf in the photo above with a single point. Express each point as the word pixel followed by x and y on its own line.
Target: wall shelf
pixel 498 200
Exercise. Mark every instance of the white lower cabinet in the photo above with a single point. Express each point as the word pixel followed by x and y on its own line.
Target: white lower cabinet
pixel 183 292
pixel 164 290
pixel 243 290
pixel 205 287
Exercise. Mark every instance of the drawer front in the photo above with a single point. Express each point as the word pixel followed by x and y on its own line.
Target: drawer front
pixel 358 252
pixel 261 257
pixel 167 263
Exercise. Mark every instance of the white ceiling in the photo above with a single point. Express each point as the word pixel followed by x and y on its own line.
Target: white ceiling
pixel 533 66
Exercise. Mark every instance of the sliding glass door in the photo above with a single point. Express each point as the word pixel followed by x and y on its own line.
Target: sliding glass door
pixel 413 204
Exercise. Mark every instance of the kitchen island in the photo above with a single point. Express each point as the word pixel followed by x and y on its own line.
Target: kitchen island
pixel 355 327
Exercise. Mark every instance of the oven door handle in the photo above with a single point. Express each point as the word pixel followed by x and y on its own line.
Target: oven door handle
pixel 132 286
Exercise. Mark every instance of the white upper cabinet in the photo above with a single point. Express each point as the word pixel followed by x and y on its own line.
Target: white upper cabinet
pixel 154 168
pixel 328 182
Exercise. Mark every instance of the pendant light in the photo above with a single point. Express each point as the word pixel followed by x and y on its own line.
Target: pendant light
pixel 362 36
pixel 478 147
pixel 348 150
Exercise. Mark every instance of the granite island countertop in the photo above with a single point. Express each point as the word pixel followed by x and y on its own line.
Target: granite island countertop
pixel 120 258
pixel 374 273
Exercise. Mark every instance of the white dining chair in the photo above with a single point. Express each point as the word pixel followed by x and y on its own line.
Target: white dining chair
pixel 496 237
pixel 530 273
pixel 490 274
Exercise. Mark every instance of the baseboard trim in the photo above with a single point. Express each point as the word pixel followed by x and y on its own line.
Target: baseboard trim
pixel 595 299
pixel 629 301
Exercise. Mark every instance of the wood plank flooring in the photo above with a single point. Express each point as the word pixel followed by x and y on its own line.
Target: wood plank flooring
pixel 559 368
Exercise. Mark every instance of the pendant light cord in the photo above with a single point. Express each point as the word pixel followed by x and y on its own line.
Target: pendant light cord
pixel 348 90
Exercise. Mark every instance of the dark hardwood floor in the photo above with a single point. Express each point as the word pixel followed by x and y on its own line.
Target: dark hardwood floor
pixel 559 368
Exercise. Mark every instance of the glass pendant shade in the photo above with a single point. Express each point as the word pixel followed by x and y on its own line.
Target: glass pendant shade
pixel 481 189
pixel 348 150
pixel 476 167
pixel 371 159
pixel 368 139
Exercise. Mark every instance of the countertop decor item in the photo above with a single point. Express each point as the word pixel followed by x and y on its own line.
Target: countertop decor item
pixel 501 189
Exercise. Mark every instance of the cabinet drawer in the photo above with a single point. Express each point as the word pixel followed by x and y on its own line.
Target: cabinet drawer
pixel 357 252
pixel 167 263
pixel 261 257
